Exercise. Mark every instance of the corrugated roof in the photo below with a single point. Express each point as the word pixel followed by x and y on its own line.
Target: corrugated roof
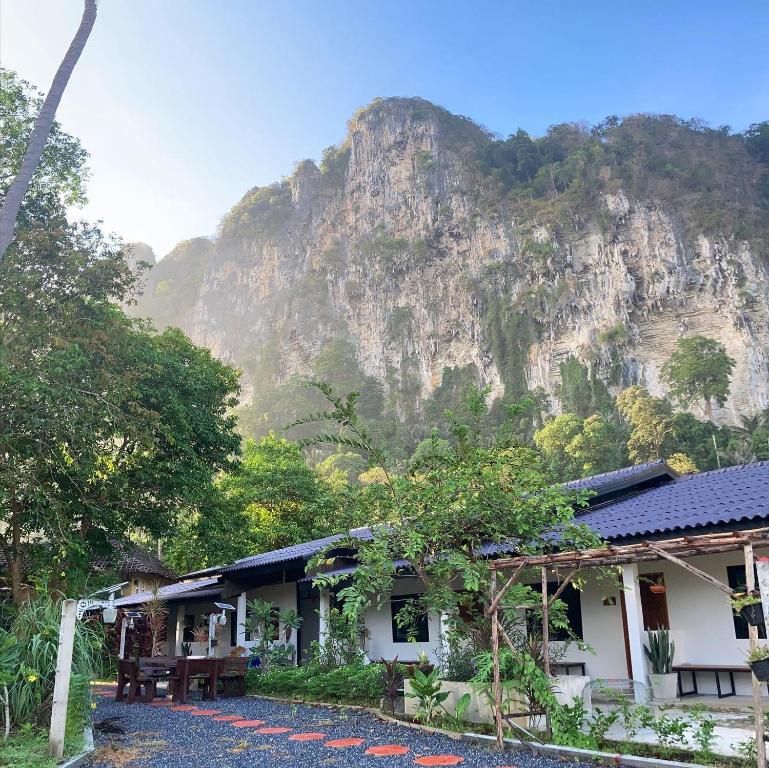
pixel 723 496
pixel 170 592
pixel 302 551
pixel 606 482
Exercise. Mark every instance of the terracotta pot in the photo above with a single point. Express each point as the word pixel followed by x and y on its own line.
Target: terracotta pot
pixel 658 589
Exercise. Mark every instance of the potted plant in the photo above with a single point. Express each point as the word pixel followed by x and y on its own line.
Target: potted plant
pixel 749 607
pixel 660 652
pixel 658 587
pixel 758 659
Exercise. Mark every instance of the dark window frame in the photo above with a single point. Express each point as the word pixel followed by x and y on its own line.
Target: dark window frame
pixel 401 634
pixel 735 577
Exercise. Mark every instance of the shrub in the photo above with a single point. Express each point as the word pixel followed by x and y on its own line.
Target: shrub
pixel 352 684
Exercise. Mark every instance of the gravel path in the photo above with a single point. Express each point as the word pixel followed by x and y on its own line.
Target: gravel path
pixel 290 736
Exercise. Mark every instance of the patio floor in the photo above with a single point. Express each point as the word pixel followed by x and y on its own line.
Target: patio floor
pixel 246 732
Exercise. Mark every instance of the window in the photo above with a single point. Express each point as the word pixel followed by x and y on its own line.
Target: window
pixel 420 631
pixel 735 575
pixel 654 605
pixel 573 600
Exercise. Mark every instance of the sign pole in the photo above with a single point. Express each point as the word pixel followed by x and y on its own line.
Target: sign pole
pixel 61 683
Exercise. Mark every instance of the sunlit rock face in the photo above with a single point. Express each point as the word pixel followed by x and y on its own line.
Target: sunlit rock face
pixel 398 246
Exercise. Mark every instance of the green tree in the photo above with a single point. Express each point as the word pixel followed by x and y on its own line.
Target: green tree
pixel 485 493
pixel 651 424
pixel 699 370
pixel 579 447
pixel 581 392
pixel 341 469
pixel 105 427
pixel 282 500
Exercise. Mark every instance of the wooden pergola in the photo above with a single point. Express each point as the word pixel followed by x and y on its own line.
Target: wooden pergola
pixel 674 550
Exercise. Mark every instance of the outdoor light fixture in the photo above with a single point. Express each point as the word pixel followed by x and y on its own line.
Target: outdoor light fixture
pixel 127 623
pixel 109 612
pixel 214 620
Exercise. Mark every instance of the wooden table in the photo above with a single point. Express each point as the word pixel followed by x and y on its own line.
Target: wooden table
pixel 195 669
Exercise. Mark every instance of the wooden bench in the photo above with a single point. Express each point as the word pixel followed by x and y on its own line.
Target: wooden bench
pixel 568 665
pixel 129 674
pixel 232 674
pixel 714 669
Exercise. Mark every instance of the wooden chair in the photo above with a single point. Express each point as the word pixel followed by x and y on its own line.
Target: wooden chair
pixel 129 674
pixel 232 674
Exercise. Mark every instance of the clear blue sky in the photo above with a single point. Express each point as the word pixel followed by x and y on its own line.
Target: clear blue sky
pixel 186 104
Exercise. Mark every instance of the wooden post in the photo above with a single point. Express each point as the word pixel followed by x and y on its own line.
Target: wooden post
pixel 545 637
pixel 497 685
pixel 758 704
pixel 545 625
pixel 61 684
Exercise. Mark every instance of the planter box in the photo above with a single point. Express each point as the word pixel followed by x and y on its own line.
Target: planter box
pixel 753 614
pixel 566 688
pixel 479 710
pixel 664 687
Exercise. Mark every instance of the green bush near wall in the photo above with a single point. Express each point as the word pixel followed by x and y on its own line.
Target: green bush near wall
pixel 353 684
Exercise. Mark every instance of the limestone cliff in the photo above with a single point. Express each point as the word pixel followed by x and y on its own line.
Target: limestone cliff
pixel 421 252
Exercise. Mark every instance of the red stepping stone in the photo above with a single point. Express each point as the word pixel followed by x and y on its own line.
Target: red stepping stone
pixel 273 731
pixel 307 737
pixel 439 760
pixel 161 703
pixel 246 723
pixel 201 712
pixel 228 718
pixel 343 743
pixel 387 750
pixel 183 708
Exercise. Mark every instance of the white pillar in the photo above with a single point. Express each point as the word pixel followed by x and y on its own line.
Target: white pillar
pixel 323 611
pixel 181 612
pixel 61 682
pixel 635 623
pixel 240 617
pixel 445 650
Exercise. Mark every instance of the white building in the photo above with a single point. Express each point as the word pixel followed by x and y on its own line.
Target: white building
pixel 641 503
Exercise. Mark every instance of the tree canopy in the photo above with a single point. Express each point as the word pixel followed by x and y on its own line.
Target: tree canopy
pixel 699 370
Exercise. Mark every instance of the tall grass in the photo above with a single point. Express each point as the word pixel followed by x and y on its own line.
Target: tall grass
pixel 32 664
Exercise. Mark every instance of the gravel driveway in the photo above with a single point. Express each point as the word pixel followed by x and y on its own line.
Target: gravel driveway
pixel 235 733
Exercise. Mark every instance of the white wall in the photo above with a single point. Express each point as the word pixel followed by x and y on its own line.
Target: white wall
pixel 380 644
pixel 700 617
pixel 283 597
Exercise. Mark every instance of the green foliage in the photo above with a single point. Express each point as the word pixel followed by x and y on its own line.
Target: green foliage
pixel 565 172
pixel 27 748
pixel 699 370
pixel 581 392
pixel 651 423
pixel 486 491
pixel 349 684
pixel 578 448
pixel 660 651
pixel 28 651
pixel 342 643
pixel 426 688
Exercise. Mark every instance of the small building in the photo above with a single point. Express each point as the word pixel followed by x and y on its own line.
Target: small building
pixel 646 502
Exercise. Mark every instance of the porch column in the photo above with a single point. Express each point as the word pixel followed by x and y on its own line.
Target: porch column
pixel 635 623
pixel 240 617
pixel 323 611
pixel 181 611
pixel 445 650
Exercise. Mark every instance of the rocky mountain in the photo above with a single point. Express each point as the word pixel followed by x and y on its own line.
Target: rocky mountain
pixel 423 254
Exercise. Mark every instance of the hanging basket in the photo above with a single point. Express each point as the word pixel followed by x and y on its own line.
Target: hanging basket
pixel 658 589
pixel 753 614
pixel 761 670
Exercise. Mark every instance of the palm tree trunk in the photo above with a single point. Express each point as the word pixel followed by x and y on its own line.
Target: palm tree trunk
pixel 43 123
